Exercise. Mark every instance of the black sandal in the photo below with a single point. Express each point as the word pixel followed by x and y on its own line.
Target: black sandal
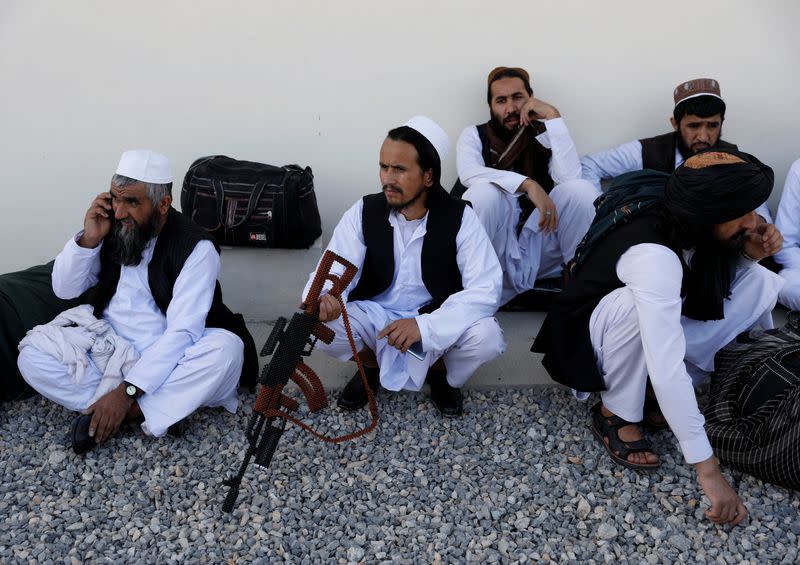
pixel 607 428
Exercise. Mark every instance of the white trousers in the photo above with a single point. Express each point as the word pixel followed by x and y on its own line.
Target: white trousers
pixel 614 332
pixel 532 255
pixel 207 375
pixel 481 342
pixel 790 293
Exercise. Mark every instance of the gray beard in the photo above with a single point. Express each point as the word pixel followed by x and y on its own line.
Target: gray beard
pixel 129 244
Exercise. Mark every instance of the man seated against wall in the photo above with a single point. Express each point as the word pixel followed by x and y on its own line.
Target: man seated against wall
pixel 428 278
pixel 787 220
pixel 696 120
pixel 655 297
pixel 157 303
pixel 523 177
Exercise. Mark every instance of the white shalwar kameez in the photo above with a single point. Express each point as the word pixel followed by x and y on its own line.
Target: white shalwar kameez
pixel 625 159
pixel 182 366
pixel 462 330
pixel 787 220
pixel 493 193
pixel 638 331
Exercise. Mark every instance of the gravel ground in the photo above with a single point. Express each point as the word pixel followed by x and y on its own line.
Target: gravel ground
pixel 518 479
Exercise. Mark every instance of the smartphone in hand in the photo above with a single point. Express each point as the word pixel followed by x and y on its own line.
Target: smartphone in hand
pixel 416 350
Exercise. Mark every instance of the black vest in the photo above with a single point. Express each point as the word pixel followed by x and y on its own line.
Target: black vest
pixel 175 243
pixel 658 153
pixel 541 172
pixel 564 337
pixel 440 272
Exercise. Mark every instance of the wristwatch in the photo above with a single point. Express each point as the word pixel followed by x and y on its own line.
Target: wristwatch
pixel 131 391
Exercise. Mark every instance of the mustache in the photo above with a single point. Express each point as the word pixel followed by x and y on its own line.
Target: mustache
pixel 514 116
pixel 391 187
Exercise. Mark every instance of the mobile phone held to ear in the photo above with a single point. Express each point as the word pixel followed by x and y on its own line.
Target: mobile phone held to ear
pixel 416 350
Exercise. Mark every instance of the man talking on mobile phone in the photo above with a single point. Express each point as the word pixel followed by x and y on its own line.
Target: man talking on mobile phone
pixel 156 327
pixel 428 279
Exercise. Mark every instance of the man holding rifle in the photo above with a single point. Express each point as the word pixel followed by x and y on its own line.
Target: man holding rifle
pixel 428 284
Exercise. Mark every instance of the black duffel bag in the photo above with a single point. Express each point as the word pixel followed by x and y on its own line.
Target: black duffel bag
pixel 252 204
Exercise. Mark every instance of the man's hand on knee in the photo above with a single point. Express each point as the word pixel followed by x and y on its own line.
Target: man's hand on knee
pixel 401 334
pixel 108 413
pixel 329 308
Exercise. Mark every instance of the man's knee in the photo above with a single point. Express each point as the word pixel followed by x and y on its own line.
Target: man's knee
pixel 222 349
pixel 31 364
pixel 756 284
pixel 26 363
pixel 789 294
pixel 616 314
pixel 487 199
pixel 485 338
pixel 755 277
pixel 577 194
pixel 626 304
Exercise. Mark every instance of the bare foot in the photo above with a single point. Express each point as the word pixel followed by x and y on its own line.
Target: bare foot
pixel 629 434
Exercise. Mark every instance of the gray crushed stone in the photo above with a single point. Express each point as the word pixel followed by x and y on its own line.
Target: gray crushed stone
pixel 518 479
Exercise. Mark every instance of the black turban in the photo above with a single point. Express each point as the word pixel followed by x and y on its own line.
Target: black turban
pixel 717 186
pixel 711 188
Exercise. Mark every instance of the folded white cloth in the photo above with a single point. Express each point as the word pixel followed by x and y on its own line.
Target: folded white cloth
pixel 74 333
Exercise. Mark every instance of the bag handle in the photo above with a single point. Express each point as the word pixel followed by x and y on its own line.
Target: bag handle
pixel 219 194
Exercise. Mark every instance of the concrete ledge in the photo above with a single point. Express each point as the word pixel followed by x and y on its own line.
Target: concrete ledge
pixel 264 284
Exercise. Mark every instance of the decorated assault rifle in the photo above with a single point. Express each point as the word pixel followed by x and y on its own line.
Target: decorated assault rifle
pixel 288 344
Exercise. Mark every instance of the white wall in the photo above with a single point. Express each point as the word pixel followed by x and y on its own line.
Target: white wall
pixel 320 82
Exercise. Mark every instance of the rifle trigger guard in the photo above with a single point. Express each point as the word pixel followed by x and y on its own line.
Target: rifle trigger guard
pixel 312 341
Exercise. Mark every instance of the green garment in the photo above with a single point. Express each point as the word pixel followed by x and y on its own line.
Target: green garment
pixel 26 300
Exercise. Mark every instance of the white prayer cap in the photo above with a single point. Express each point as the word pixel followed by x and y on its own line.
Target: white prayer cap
pixel 433 133
pixel 145 166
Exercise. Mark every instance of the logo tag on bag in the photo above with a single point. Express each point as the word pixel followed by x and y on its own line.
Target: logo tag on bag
pixel 258 236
